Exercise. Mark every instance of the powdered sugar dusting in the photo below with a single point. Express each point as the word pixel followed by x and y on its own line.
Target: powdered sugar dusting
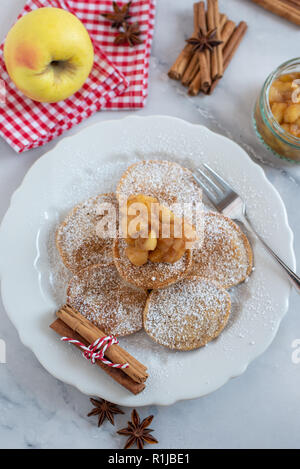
pixel 225 256
pixel 188 314
pixel 249 300
pixel 168 181
pixel 78 242
pixel 100 295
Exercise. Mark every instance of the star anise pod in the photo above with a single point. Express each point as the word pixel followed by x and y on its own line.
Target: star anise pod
pixel 203 41
pixel 105 410
pixel 119 15
pixel 129 35
pixel 138 432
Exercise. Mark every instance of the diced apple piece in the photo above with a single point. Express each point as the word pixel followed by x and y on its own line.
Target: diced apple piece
pixel 136 256
pixel 278 111
pixel 292 113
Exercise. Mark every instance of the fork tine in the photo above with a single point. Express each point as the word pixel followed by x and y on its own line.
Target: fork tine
pixel 210 182
pixel 218 178
pixel 211 197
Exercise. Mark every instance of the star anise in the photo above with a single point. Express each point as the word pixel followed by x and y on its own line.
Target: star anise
pixel 129 35
pixel 203 41
pixel 105 410
pixel 119 15
pixel 138 432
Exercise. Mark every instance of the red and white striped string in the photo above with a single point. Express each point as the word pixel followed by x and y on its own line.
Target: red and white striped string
pixel 97 350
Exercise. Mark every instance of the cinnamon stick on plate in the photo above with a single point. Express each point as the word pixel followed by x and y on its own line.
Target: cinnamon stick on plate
pixel 231 47
pixel 117 375
pixel 288 9
pixel 89 332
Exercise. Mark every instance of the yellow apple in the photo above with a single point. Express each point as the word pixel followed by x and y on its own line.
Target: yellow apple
pixel 48 54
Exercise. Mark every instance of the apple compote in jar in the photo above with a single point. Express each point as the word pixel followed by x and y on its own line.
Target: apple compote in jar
pixel 277 111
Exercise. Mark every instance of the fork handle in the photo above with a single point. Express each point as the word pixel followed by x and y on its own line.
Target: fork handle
pixel 292 276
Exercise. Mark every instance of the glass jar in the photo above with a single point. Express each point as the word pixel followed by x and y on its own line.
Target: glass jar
pixel 270 132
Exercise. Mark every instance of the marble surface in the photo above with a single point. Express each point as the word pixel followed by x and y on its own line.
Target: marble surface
pixel 258 409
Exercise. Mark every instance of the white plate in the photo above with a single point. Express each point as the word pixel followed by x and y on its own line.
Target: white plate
pixel 90 162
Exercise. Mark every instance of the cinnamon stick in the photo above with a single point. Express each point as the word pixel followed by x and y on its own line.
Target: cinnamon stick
pixel 213 23
pixel 204 57
pixel 202 78
pixel 178 68
pixel 231 47
pixel 191 71
pixel 222 21
pixel 218 37
pixel 201 81
pixel 202 71
pixel 197 74
pixel 78 323
pixel 294 3
pixel 234 42
pixel 195 85
pixel 116 374
pixel 227 31
pixel 193 65
pixel 186 65
pixel 289 10
pixel 196 7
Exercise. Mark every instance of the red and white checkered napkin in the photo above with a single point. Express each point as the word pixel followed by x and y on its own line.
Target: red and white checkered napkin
pixel 118 80
pixel 133 62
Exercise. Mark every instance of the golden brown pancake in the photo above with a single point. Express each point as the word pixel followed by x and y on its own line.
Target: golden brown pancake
pixel 150 275
pixel 187 315
pixel 226 255
pixel 77 240
pixel 99 294
pixel 170 183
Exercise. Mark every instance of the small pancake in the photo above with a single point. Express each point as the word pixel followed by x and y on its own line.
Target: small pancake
pixel 187 315
pixel 77 240
pixel 99 294
pixel 150 275
pixel 170 183
pixel 226 255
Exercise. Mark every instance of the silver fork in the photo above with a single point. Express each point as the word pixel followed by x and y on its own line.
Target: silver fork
pixel 230 204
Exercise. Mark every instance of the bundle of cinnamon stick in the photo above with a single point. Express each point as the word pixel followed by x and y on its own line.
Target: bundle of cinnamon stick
pixel 73 325
pixel 201 71
pixel 288 9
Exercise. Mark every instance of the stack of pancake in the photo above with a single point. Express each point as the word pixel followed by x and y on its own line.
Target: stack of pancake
pixel 181 305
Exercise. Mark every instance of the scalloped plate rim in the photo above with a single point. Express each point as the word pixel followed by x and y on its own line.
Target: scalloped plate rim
pixel 40 162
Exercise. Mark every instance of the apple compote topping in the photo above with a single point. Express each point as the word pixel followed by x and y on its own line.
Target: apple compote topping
pixel 153 232
pixel 284 98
